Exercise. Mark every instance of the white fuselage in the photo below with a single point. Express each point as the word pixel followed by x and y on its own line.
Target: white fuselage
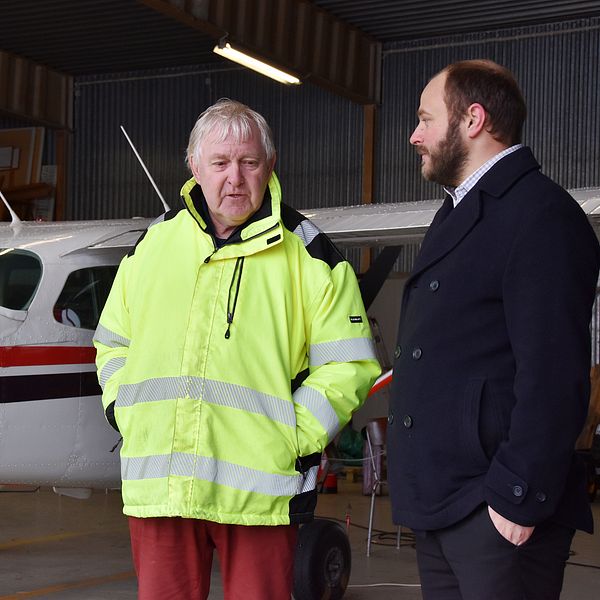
pixel 52 426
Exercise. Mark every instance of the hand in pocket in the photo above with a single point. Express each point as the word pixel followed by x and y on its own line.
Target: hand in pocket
pixel 515 534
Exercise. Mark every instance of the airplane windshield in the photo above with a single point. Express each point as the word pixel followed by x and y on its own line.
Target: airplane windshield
pixel 20 274
pixel 82 299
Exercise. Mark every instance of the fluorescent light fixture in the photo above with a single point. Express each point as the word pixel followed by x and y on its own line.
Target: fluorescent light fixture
pixel 225 49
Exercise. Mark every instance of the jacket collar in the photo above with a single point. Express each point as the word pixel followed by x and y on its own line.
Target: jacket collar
pixel 266 218
pixel 450 226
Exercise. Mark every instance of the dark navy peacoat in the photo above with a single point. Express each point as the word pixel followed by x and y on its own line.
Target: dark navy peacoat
pixel 491 374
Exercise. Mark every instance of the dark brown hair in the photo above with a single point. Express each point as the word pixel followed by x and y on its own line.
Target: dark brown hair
pixel 495 88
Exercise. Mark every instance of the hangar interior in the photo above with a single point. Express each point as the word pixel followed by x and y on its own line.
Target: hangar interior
pixel 71 73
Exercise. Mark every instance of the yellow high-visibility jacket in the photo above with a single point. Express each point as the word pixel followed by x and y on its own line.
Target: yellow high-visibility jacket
pixel 228 369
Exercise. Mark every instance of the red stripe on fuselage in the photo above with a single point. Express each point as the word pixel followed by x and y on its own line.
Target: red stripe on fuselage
pixel 28 356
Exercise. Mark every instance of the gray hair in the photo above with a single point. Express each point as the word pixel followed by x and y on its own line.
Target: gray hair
pixel 229 117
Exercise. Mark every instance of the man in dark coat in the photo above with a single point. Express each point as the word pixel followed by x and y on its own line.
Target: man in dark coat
pixel 491 373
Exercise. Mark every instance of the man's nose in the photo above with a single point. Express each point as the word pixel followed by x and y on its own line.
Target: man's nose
pixel 416 137
pixel 235 176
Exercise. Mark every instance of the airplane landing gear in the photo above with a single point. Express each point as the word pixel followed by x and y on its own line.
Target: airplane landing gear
pixel 323 561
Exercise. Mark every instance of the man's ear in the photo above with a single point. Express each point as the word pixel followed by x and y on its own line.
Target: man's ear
pixel 475 119
pixel 193 167
pixel 272 165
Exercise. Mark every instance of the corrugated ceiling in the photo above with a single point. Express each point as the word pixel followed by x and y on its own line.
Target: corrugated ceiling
pixel 395 20
pixel 83 37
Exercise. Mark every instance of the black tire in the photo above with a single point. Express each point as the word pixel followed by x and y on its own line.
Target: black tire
pixel 323 561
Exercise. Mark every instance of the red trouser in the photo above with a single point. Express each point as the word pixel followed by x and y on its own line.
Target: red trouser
pixel 173 559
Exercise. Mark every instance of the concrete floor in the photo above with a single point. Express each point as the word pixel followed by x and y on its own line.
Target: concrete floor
pixel 58 548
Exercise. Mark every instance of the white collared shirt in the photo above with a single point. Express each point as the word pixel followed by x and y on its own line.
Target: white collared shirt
pixel 459 192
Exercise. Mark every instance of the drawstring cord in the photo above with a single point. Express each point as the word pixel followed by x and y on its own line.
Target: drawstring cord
pixel 239 263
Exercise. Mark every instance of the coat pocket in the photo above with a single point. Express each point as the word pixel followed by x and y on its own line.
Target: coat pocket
pixel 470 422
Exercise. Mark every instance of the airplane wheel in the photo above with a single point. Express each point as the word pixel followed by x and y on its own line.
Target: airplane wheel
pixel 323 561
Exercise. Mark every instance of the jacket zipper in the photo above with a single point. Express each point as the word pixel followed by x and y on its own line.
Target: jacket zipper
pixel 231 304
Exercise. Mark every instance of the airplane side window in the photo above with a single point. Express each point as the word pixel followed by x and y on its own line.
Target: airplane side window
pixel 83 296
pixel 20 274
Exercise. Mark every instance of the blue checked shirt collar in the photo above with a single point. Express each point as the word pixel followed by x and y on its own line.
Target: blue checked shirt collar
pixel 458 193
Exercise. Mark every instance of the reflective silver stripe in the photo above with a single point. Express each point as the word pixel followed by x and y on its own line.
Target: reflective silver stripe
pixel 110 368
pixel 307 231
pixel 342 351
pixel 110 338
pixel 318 405
pixel 144 467
pixel 310 482
pixel 182 464
pixel 246 399
pixel 207 390
pixel 152 390
pixel 244 478
pixel 211 469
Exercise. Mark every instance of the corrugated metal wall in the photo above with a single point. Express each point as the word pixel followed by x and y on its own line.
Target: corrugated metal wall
pixel 558 68
pixel 318 136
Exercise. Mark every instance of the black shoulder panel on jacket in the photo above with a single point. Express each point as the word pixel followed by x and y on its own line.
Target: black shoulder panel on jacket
pixel 317 244
pixel 164 217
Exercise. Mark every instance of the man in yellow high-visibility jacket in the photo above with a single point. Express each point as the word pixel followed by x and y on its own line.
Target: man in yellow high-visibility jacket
pixel 233 346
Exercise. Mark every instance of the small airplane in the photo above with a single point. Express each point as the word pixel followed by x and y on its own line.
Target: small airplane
pixel 54 280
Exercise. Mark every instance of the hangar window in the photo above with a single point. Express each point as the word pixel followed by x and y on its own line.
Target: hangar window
pixel 83 296
pixel 20 274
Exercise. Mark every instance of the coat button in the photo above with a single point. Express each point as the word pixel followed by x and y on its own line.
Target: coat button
pixel 417 353
pixel 407 421
pixel 397 351
pixel 541 497
pixel 390 418
pixel 517 491
pixel 434 285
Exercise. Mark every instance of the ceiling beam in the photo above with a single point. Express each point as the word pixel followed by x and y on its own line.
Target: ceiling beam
pixel 294 35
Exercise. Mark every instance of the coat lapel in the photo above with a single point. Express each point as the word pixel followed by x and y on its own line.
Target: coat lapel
pixel 448 230
pixel 450 226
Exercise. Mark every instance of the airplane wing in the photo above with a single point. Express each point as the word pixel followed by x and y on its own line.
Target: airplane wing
pixel 589 200
pixel 376 224
pixel 390 224
pixel 402 223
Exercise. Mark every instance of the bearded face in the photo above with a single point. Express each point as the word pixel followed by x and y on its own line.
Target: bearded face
pixel 443 162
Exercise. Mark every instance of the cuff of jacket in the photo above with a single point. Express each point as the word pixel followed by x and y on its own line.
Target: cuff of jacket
pixel 516 500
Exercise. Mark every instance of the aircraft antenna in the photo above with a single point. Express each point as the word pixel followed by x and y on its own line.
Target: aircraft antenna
pixel 137 155
pixel 15 221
